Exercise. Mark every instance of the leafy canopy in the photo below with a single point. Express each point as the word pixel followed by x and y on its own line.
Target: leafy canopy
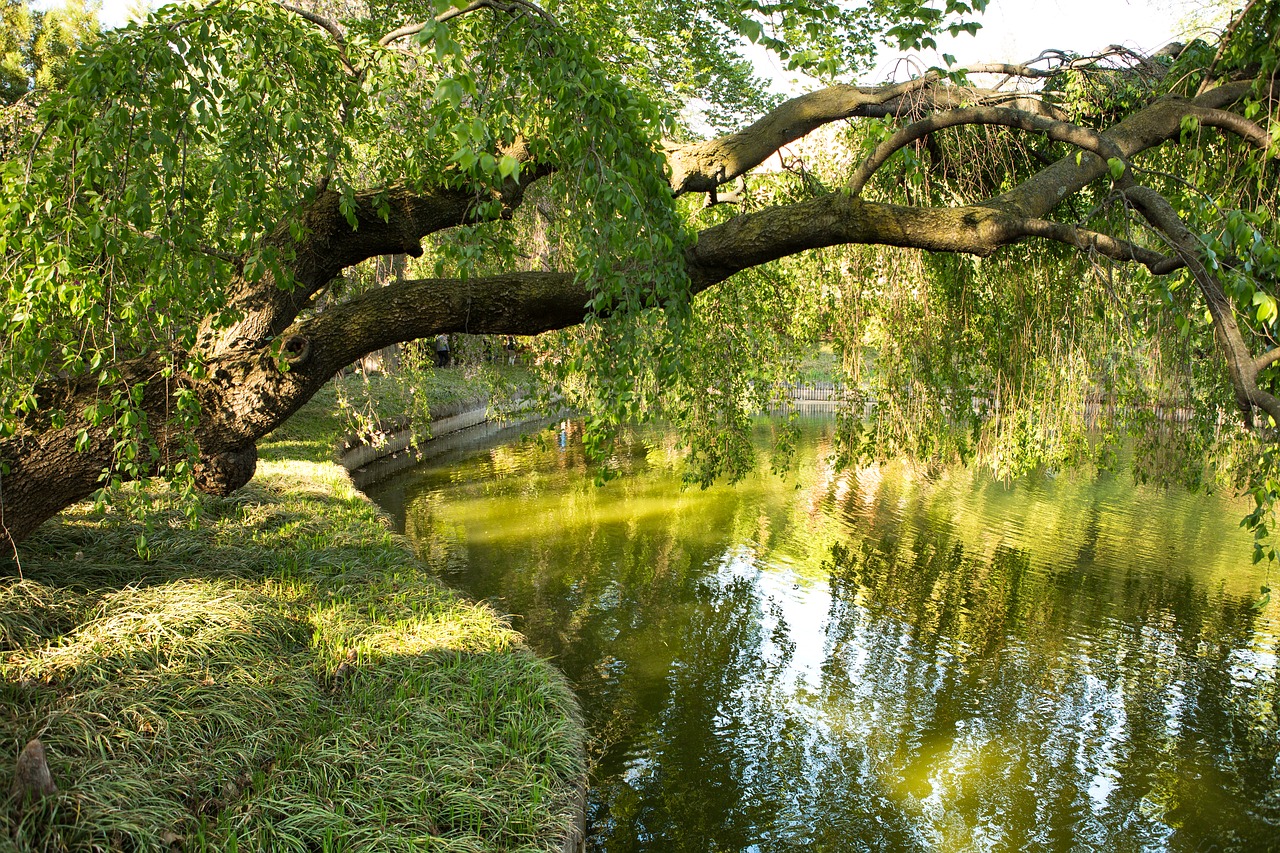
pixel 171 164
pixel 165 165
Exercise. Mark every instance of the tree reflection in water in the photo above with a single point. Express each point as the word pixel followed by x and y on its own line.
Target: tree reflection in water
pixel 870 661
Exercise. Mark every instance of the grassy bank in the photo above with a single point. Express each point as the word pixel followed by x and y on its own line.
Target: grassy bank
pixel 285 676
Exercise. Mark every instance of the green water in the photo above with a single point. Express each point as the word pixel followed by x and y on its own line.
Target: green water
pixel 878 660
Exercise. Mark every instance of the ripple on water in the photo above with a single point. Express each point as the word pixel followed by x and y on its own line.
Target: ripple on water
pixel 913 663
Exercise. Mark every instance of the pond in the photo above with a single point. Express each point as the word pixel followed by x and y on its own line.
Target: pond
pixel 874 659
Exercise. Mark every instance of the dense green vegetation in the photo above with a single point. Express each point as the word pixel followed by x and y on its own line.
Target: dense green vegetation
pixel 206 215
pixel 285 675
pixel 198 211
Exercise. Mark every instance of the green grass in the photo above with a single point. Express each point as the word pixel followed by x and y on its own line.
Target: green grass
pixel 285 676
pixel 820 365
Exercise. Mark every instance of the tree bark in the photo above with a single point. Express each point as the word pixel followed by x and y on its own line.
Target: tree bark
pixel 263 368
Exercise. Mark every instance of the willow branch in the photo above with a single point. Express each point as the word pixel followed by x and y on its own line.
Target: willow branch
pixel 1102 244
pixel 330 26
pixel 1239 125
pixel 327 24
pixel 1223 43
pixel 1242 366
pixel 1267 359
pixel 1061 131
pixel 391 220
pixel 1028 71
pixel 1149 127
pixel 702 166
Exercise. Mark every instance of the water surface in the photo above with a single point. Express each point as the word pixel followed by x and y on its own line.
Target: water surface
pixel 876 659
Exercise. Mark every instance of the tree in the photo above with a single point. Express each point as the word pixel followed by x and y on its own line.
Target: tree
pixel 35 45
pixel 175 227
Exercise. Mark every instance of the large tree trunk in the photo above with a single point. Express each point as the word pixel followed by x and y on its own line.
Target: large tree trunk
pixel 262 369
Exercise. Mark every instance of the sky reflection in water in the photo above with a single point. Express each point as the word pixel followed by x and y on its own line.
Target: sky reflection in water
pixel 872 660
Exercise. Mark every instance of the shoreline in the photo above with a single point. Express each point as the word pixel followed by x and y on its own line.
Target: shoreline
pixel 285 674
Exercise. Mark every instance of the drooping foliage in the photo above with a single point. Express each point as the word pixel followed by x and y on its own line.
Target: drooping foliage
pixel 1043 355
pixel 179 151
pixel 187 195
pixel 182 148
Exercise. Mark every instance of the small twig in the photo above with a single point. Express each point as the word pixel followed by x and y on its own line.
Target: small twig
pixel 1222 46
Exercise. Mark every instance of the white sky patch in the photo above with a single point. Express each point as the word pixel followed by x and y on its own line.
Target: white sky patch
pixel 1016 30
pixel 115 13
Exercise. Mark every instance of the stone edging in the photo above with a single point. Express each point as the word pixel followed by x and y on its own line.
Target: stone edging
pixel 353 453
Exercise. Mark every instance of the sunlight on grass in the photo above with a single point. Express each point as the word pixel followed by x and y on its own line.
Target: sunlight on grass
pixel 284 676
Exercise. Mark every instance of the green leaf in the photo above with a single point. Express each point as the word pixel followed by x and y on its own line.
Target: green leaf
pixel 427 33
pixel 1266 305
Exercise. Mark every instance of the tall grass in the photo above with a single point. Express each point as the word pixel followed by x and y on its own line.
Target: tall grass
pixel 285 676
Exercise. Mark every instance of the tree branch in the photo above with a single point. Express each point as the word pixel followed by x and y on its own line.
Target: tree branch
pixel 331 245
pixel 1103 244
pixel 1061 131
pixel 701 166
pixel 1240 361
pixel 330 26
pixel 1223 44
pixel 327 24
pixel 1267 359
pixel 510 7
pixel 1239 125
pixel 519 303
pixel 1242 367
pixel 1147 128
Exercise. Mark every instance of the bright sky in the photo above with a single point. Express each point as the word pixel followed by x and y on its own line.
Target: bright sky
pixel 115 13
pixel 1016 30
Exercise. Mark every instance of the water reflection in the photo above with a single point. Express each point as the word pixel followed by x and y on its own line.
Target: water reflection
pixel 869 661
